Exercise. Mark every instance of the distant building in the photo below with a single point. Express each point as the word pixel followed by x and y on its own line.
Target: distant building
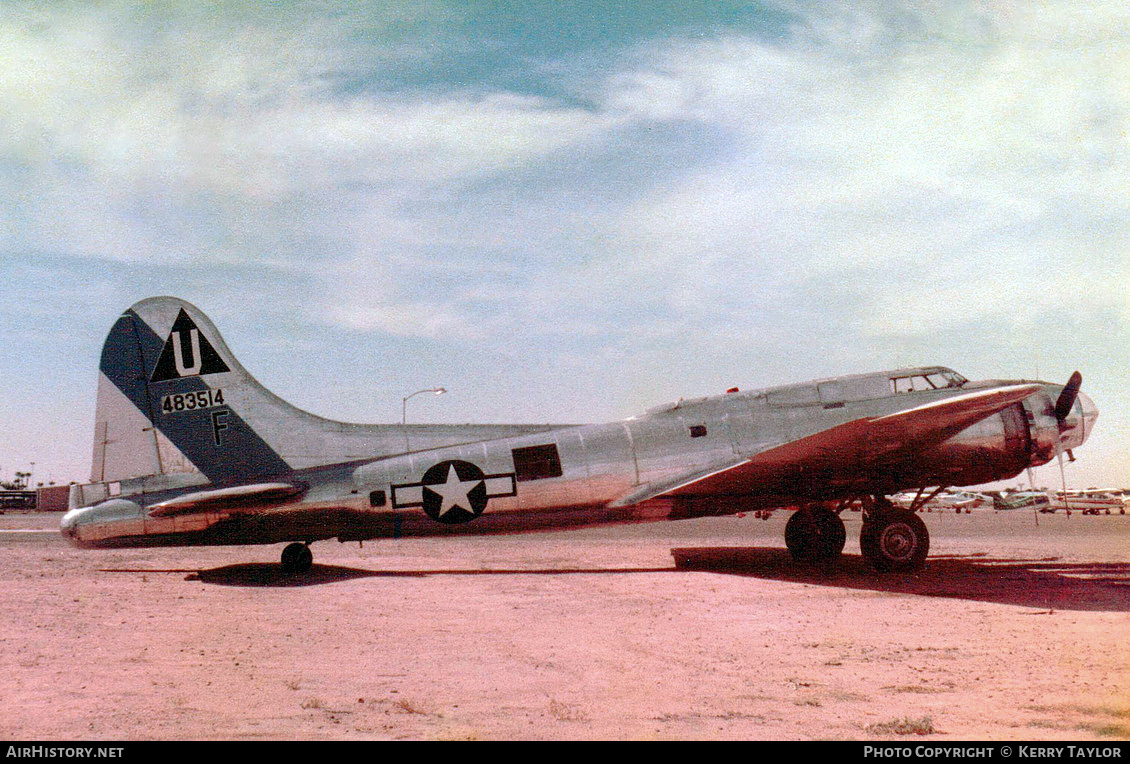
pixel 52 498
pixel 46 498
pixel 17 499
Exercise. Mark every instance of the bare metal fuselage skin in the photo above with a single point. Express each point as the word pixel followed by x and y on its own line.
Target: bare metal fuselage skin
pixel 544 478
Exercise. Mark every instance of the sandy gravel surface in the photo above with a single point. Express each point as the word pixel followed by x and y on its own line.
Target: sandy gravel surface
pixel 1014 631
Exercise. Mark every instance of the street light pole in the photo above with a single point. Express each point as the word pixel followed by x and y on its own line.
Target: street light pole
pixel 404 411
pixel 404 401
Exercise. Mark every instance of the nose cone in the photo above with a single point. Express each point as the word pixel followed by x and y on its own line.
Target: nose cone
pixel 1077 425
pixel 1090 413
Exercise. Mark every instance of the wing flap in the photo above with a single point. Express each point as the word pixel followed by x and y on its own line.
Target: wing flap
pixel 859 443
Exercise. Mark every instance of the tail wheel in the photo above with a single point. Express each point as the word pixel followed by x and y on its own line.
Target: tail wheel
pixel 815 534
pixel 297 558
pixel 895 540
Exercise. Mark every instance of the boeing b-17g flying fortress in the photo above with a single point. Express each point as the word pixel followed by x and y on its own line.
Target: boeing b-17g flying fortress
pixel 190 450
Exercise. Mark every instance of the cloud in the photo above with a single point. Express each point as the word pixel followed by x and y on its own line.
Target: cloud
pixel 870 190
pixel 685 175
pixel 232 149
pixel 960 154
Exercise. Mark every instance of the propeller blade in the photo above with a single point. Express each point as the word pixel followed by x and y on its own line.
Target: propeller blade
pixel 1067 398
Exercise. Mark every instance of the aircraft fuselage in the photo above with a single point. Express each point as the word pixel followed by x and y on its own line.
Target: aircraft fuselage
pixel 575 475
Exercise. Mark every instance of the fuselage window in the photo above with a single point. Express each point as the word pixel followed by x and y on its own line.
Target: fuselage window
pixel 536 462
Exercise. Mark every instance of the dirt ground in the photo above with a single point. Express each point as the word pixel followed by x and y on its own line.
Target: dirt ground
pixel 1013 631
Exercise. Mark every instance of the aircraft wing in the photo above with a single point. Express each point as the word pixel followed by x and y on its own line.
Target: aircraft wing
pixel 858 443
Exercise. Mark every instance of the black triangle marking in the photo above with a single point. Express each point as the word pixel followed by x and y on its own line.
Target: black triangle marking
pixel 187 353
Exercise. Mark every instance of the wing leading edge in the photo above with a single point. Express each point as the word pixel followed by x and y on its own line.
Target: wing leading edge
pixel 859 442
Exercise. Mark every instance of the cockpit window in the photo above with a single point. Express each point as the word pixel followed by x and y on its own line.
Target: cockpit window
pixel 910 384
pixel 934 381
pixel 953 379
pixel 945 379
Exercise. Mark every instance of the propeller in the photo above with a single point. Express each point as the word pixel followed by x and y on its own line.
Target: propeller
pixel 1063 406
pixel 1067 398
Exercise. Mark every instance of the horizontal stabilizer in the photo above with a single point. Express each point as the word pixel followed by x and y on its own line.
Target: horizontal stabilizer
pixel 226 498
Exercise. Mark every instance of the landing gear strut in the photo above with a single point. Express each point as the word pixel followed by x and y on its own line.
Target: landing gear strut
pixel 893 539
pixel 815 534
pixel 297 558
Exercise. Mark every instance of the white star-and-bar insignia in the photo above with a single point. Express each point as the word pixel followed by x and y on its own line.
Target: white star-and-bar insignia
pixel 454 492
pixel 454 485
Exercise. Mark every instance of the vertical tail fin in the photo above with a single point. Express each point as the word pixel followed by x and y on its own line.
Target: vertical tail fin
pixel 173 400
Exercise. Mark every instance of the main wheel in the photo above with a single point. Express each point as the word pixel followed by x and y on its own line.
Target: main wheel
pixel 815 534
pixel 895 540
pixel 297 558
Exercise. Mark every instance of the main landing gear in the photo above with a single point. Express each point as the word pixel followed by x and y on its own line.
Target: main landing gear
pixel 892 539
pixel 297 558
pixel 815 534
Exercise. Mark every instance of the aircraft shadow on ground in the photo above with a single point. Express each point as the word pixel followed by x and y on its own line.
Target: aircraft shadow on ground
pixel 1047 584
pixel 267 574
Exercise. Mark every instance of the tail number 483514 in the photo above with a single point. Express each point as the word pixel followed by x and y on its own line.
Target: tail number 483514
pixel 201 399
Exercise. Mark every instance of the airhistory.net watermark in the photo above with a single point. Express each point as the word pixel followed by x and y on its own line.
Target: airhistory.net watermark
pixel 61 752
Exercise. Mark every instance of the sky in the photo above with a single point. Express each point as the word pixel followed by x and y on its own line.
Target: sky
pixel 565 212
